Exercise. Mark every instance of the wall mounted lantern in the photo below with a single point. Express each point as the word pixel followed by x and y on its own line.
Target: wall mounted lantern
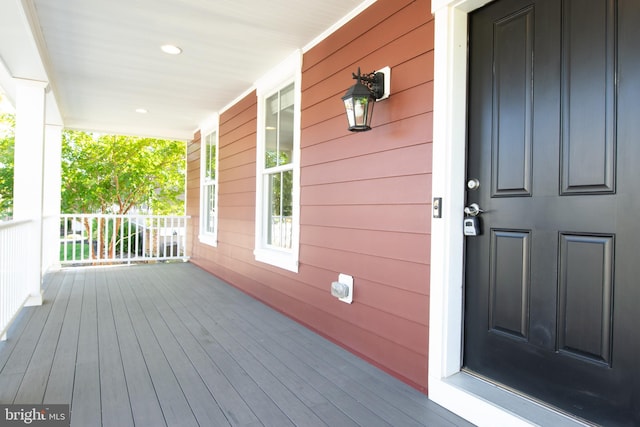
pixel 360 98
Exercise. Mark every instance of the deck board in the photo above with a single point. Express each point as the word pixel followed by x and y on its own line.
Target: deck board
pixel 60 385
pixel 113 382
pixel 144 408
pixel 86 385
pixel 169 344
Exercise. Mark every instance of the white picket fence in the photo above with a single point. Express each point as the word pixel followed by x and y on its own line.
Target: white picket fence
pixel 110 239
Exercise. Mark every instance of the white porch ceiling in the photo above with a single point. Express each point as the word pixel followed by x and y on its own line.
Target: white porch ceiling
pixel 102 58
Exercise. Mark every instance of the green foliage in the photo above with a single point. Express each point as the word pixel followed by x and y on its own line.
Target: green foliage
pixel 7 139
pixel 106 174
pixel 281 184
pixel 112 174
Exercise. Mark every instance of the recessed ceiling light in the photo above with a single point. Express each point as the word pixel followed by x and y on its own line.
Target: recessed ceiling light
pixel 142 110
pixel 171 49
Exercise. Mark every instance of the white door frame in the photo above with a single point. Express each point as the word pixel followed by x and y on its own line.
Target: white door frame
pixel 480 402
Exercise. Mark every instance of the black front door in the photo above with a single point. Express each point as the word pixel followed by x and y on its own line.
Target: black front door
pixel 552 284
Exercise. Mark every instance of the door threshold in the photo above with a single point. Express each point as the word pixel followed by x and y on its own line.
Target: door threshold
pixel 492 397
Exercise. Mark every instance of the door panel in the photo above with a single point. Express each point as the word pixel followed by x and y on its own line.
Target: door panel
pixel 551 286
pixel 588 60
pixel 509 283
pixel 585 296
pixel 512 120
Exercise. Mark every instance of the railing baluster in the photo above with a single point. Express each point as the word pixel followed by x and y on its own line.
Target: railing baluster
pixel 129 242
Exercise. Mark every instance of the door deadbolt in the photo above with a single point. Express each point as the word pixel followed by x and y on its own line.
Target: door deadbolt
pixel 473 184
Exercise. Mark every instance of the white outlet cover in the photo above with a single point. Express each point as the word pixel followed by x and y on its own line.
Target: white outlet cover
pixel 347 280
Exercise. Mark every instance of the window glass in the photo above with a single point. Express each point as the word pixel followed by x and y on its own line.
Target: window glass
pixel 209 188
pixel 281 209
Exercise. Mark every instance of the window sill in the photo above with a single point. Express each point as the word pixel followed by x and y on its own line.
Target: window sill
pixel 208 239
pixel 285 260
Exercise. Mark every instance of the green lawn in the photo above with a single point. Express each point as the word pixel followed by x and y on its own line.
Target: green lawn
pixel 79 248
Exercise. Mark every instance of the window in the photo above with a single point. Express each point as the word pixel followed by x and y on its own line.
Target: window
pixel 209 188
pixel 277 223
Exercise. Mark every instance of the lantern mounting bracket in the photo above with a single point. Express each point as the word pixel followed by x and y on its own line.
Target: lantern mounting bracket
pixel 374 81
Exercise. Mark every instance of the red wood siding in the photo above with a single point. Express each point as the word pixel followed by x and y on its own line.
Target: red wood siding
pixel 193 191
pixel 365 197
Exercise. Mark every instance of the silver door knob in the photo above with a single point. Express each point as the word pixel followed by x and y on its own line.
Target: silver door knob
pixel 473 210
pixel 473 184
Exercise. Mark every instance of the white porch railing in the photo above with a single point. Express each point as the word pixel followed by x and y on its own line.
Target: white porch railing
pixel 281 231
pixel 109 239
pixel 16 245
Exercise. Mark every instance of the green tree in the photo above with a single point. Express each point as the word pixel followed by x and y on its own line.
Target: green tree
pixel 7 139
pixel 111 174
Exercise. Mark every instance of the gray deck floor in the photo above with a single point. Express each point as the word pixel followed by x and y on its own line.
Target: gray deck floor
pixel 169 344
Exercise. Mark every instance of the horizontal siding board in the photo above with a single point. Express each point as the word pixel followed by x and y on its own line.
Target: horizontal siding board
pixel 404 133
pixel 327 129
pixel 237 212
pixel 241 185
pixel 236 239
pixel 401 246
pixel 238 199
pixel 394 190
pixel 404 305
pixel 409 103
pixel 237 173
pixel 412 160
pixel 398 218
pixel 238 135
pixel 193 170
pixel 408 131
pixel 241 158
pixel 194 179
pixel 233 225
pixel 231 148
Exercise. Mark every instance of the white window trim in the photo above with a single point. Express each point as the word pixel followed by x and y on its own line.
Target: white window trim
pixel 478 401
pixel 289 71
pixel 206 129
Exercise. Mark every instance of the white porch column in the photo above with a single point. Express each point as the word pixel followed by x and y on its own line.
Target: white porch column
pixel 51 197
pixel 28 185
